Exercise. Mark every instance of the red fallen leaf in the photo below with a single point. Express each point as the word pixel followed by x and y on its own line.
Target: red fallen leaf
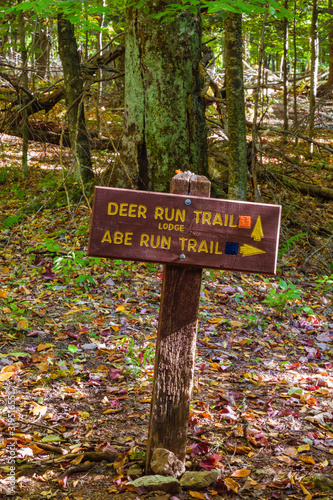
pixel 199 449
pixel 48 275
pixel 255 437
pixel 193 421
pixel 295 365
pixel 229 413
pixel 114 403
pixel 114 374
pixel 72 335
pixel 63 481
pixel 220 486
pixel 212 462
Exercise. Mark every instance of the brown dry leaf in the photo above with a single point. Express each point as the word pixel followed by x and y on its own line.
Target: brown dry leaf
pixel 249 483
pixel 22 324
pixel 197 494
pixel 235 324
pixel 286 460
pixel 290 451
pixel 241 473
pixel 307 460
pixel 38 409
pixel 231 484
pixel 37 450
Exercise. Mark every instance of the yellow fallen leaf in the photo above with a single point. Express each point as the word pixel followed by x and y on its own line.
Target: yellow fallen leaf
pixel 306 492
pixel 3 294
pixel 5 376
pixel 8 371
pixel 307 460
pixel 216 320
pixel 120 461
pixel 197 494
pixel 231 484
pixel 120 308
pixel 41 347
pixel 22 324
pixel 77 460
pixel 5 269
pixel 241 473
pixel 303 447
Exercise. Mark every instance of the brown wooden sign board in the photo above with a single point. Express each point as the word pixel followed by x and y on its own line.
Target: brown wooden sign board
pixel 184 230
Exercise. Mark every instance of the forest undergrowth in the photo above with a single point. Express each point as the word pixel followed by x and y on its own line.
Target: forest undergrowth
pixel 78 334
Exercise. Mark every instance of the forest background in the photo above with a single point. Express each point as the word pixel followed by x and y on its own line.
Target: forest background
pixel 125 96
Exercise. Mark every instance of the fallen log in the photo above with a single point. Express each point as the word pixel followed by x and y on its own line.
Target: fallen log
pixel 52 133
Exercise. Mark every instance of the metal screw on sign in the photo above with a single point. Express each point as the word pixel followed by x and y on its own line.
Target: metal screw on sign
pixel 182 256
pixel 187 202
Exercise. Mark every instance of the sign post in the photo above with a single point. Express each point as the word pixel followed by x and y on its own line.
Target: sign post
pixel 186 230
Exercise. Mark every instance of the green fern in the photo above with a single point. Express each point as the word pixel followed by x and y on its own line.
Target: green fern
pixel 10 221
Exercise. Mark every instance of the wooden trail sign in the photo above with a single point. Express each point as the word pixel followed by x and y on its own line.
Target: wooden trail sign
pixel 185 230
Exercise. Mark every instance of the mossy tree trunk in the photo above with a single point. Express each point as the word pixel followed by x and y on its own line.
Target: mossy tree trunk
pixel 235 108
pixel 77 130
pixel 164 127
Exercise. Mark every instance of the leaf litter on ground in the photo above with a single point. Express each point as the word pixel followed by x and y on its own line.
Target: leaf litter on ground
pixel 77 350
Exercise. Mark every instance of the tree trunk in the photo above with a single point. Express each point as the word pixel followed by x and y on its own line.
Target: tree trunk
pixel 314 70
pixel 285 68
pixel 25 82
pixel 42 49
pixel 75 109
pixel 164 120
pixel 235 108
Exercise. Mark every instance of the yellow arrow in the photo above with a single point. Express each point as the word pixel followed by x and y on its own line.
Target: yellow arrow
pixel 247 250
pixel 257 232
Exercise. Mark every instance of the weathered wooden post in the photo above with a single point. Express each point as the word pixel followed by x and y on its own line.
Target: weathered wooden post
pixel 176 342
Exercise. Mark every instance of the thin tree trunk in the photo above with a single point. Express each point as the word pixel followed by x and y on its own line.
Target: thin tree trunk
pixel 78 135
pixel 25 83
pixel 330 47
pixel 314 70
pixel 235 107
pixel 256 190
pixel 295 67
pixel 285 68
pixel 100 72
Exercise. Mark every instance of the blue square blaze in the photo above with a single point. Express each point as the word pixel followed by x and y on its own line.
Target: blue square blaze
pixel 231 248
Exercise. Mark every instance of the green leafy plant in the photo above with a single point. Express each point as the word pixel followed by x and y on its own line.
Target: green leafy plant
pixel 74 263
pixel 325 282
pixel 286 245
pixel 278 299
